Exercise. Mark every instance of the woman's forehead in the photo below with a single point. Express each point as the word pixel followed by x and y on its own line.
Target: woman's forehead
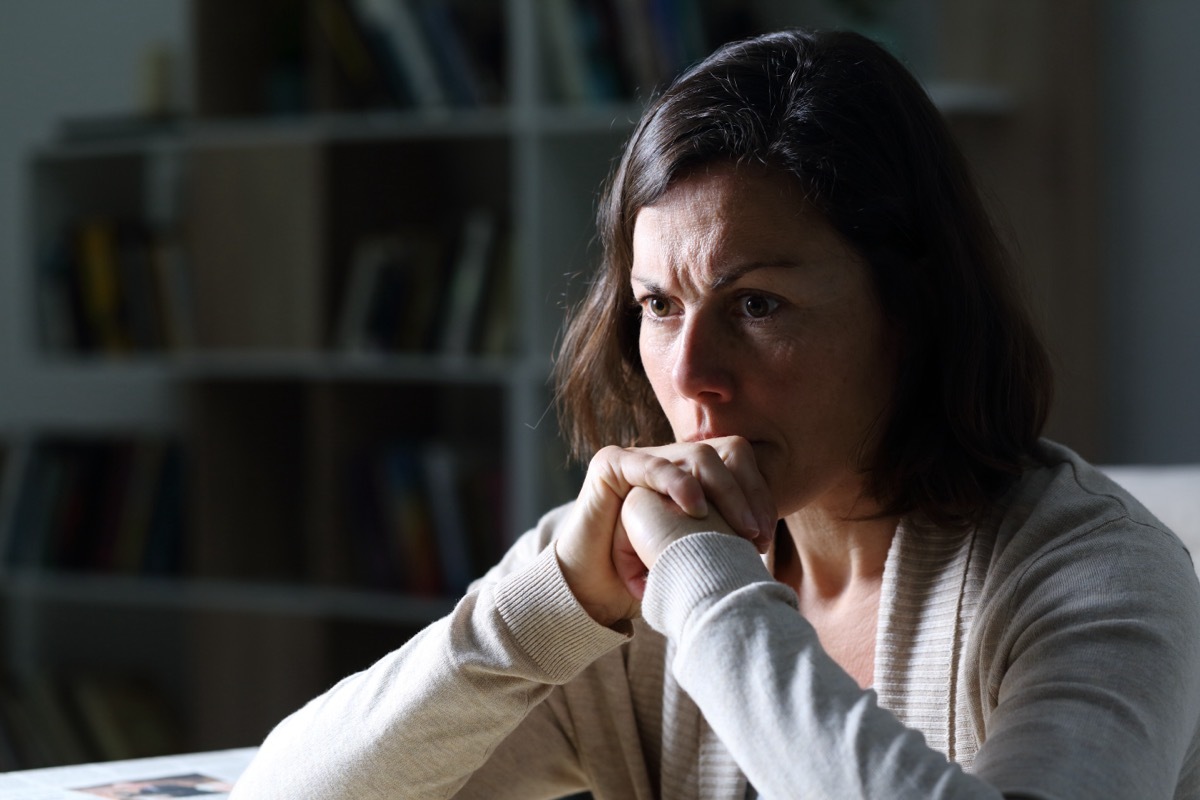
pixel 727 221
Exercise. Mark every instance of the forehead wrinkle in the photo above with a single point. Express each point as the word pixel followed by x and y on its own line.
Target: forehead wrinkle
pixel 708 231
pixel 691 242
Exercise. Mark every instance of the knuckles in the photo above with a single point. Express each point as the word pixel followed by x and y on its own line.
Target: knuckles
pixel 737 447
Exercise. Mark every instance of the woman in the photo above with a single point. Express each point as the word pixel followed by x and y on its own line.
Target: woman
pixel 820 550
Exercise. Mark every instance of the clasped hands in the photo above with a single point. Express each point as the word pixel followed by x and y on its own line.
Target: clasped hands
pixel 636 501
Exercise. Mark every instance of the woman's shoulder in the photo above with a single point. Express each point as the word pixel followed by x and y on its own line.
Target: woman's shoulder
pixel 1064 509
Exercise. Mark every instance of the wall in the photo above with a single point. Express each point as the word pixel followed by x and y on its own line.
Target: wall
pixel 65 58
pixel 1152 229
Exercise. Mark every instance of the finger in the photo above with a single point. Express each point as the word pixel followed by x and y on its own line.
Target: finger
pixel 738 455
pixel 621 469
pixel 724 487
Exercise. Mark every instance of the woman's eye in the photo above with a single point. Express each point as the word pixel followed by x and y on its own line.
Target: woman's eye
pixel 756 306
pixel 657 306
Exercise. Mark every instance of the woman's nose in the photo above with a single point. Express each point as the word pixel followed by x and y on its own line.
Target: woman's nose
pixel 703 369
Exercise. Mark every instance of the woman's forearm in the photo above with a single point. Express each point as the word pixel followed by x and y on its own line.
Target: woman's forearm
pixel 423 719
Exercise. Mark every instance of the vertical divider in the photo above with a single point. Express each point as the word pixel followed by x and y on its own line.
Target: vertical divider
pixel 529 304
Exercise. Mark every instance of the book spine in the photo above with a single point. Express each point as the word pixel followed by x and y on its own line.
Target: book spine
pixel 567 68
pixel 468 281
pixel 98 283
pixel 449 53
pixel 442 468
pixel 397 23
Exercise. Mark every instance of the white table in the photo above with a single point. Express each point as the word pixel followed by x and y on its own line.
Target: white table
pixel 105 779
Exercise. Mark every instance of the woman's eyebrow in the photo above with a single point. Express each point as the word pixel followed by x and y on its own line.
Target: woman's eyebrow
pixel 649 285
pixel 738 272
pixel 730 276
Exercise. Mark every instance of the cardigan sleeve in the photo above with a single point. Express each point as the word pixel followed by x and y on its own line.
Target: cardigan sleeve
pixel 425 718
pixel 1093 680
pixel 794 721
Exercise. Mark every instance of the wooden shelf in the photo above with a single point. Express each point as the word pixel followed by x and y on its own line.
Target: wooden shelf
pixel 971 99
pixel 196 594
pixel 450 370
pixel 553 119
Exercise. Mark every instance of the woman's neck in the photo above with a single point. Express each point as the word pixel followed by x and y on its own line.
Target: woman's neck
pixel 826 558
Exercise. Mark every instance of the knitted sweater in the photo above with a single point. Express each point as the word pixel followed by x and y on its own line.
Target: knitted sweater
pixel 1053 651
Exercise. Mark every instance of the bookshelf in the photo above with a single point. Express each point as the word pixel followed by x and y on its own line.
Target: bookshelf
pixel 259 227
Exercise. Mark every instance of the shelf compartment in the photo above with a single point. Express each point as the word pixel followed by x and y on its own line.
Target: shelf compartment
pixel 345 483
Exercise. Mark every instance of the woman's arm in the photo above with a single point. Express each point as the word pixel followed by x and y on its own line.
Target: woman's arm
pixel 1091 667
pixel 1096 704
pixel 422 720
pixel 795 722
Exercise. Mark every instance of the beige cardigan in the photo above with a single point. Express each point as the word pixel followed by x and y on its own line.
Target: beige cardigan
pixel 1052 652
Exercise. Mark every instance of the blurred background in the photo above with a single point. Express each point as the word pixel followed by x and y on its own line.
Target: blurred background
pixel 280 281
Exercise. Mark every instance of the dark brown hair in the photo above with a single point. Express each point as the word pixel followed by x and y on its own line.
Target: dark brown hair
pixel 872 153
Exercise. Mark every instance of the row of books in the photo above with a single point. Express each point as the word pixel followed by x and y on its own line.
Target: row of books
pixel 607 50
pixel 48 721
pixel 114 287
pixel 448 53
pixel 421 518
pixel 425 519
pixel 416 53
pixel 424 290
pixel 102 506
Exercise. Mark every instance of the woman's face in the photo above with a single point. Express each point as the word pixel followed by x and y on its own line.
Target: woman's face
pixel 759 320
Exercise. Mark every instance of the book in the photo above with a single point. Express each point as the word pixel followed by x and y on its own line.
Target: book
pixel 99 506
pixel 366 76
pixel 398 26
pixel 424 517
pixel 443 478
pixel 640 49
pixel 474 256
pixel 409 521
pixel 601 42
pixel 496 334
pixel 352 52
pixel 567 65
pixel 112 287
pixel 482 29
pixel 97 276
pixel 390 303
pixel 450 53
